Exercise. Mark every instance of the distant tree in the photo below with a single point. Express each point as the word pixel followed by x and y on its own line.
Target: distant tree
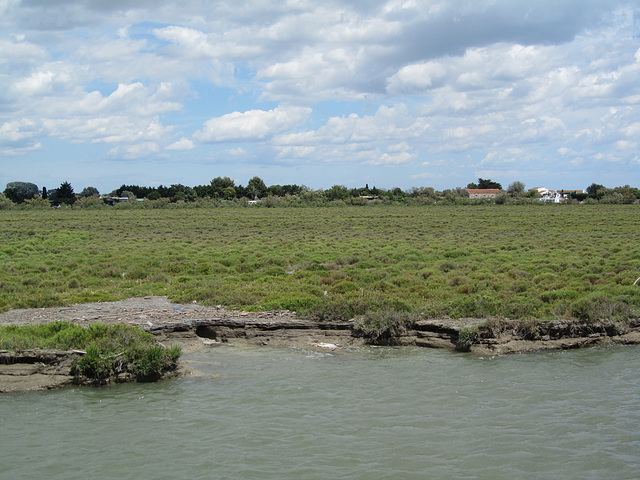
pixel 472 185
pixel 228 193
pixel 18 192
pixel 90 192
pixel 429 192
pixel 397 192
pixel 62 194
pixel 337 192
pixel 138 191
pixel 275 191
pixel 257 188
pixel 203 191
pixel 629 194
pixel 516 189
pixel 179 192
pixel 241 191
pixel 164 191
pixel 155 195
pixel 595 190
pixel 488 183
pixel 291 189
pixel 219 184
pixel 285 190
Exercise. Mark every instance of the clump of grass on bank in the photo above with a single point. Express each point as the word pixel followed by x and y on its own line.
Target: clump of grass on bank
pixel 111 351
pixel 383 326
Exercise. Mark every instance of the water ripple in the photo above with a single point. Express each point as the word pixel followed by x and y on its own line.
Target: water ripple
pixel 369 413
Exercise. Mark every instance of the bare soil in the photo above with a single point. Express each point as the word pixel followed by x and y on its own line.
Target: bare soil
pixel 158 311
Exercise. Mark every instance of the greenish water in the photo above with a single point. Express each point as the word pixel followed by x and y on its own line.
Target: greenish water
pixel 369 413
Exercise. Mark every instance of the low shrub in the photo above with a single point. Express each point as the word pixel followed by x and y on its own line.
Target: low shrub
pixel 383 326
pixel 597 306
pixel 466 338
pixel 339 308
pixel 151 364
pixel 530 328
pixel 93 365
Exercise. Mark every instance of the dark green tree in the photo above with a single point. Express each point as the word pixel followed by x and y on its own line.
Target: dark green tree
pixel 275 191
pixel 256 188
pixel 18 192
pixel 337 192
pixel 64 194
pixel 138 191
pixel 179 192
pixel 488 183
pixel 291 189
pixel 241 191
pixel 218 186
pixel 228 193
pixel 597 191
pixel 90 192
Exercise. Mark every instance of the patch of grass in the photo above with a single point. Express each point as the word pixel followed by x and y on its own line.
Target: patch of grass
pixel 383 326
pixel 110 350
pixel 466 338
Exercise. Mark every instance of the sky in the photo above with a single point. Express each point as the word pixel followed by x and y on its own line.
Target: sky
pixel 408 93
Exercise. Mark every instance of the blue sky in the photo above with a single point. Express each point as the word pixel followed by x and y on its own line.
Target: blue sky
pixel 387 93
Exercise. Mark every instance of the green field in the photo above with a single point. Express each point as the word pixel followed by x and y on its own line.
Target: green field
pixel 513 261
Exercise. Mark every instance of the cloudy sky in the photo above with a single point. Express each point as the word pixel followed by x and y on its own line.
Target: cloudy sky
pixel 386 93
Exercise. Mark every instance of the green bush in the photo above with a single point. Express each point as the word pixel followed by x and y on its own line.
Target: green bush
pixel 339 308
pixel 466 338
pixel 151 364
pixel 597 306
pixel 383 326
pixel 93 364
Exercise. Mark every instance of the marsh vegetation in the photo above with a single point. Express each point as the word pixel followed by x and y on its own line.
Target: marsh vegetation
pixel 512 261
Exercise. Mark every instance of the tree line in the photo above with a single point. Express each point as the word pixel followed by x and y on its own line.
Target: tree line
pixel 224 189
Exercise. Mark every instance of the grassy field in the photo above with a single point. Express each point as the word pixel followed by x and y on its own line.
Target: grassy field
pixel 514 261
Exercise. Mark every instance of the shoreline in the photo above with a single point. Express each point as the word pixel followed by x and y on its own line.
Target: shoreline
pixel 196 327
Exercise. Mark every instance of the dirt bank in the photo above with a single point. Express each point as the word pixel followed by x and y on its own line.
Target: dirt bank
pixel 195 327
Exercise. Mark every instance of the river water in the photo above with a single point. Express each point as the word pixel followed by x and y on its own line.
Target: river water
pixel 366 413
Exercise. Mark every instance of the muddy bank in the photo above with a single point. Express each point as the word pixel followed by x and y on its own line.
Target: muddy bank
pixel 196 327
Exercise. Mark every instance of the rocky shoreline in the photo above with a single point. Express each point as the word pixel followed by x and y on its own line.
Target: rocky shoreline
pixel 196 327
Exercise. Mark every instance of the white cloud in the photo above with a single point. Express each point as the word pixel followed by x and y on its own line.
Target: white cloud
pixel 393 159
pixel 182 144
pixel 385 83
pixel 423 175
pixel 108 129
pixel 134 151
pixel 252 125
pixel 37 82
pixel 236 152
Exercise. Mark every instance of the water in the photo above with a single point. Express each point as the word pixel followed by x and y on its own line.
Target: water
pixel 369 413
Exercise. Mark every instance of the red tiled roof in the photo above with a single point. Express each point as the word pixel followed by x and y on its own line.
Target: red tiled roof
pixel 482 190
